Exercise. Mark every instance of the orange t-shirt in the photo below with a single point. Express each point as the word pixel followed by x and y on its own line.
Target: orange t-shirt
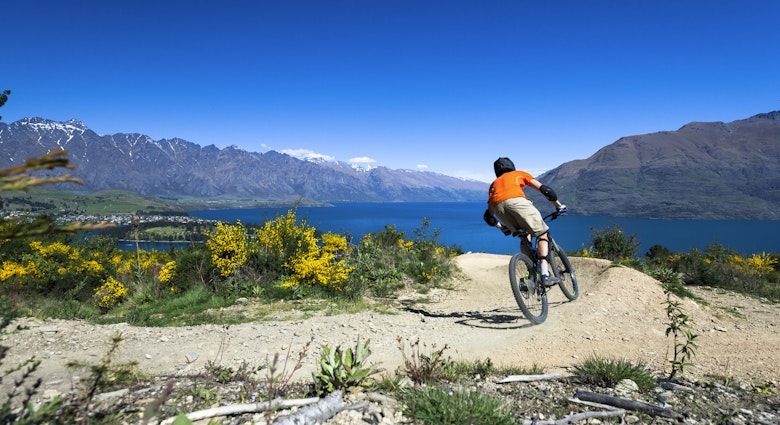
pixel 509 185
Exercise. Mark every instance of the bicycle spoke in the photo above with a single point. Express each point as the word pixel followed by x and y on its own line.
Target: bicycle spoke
pixel 529 294
pixel 563 270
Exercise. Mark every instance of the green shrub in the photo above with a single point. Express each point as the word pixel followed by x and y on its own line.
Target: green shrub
pixel 658 254
pixel 435 405
pixel 386 260
pixel 670 280
pixel 613 243
pixel 721 267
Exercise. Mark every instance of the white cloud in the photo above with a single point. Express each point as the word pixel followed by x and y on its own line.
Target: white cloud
pixel 362 160
pixel 422 167
pixel 308 155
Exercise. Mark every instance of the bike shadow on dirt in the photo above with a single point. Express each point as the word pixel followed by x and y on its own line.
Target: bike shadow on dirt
pixel 504 318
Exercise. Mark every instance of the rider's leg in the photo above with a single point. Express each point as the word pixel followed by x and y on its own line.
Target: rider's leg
pixel 525 249
pixel 542 249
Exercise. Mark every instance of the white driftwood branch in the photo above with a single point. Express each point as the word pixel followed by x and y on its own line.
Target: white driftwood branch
pixel 623 403
pixel 609 412
pixel 240 409
pixel 578 417
pixel 592 404
pixel 319 412
pixel 530 378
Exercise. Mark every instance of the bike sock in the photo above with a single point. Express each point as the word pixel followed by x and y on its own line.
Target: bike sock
pixel 545 269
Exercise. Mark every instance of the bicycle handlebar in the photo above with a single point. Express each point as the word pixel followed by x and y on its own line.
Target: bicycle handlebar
pixel 553 215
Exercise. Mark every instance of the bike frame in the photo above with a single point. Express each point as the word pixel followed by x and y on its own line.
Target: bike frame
pixel 525 274
pixel 531 247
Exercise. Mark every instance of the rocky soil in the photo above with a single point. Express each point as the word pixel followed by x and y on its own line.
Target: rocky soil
pixel 619 314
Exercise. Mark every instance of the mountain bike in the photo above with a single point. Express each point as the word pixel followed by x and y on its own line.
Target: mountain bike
pixel 525 275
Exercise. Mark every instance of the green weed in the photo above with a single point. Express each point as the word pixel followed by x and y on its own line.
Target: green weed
pixel 434 405
pixel 606 372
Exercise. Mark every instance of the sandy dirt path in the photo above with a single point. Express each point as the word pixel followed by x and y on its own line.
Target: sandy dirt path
pixel 619 314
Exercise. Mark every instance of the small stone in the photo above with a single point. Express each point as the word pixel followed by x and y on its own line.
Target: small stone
pixel 631 419
pixel 112 394
pixel 626 386
pixel 191 357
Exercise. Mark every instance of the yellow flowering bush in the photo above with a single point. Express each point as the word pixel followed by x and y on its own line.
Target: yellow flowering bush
pixel 318 265
pixel 306 261
pixel 58 267
pixel 110 293
pixel 758 264
pixel 54 250
pixel 12 271
pixel 167 272
pixel 405 245
pixel 228 247
pixel 283 236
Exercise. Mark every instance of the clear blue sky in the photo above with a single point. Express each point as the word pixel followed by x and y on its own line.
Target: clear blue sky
pixel 444 86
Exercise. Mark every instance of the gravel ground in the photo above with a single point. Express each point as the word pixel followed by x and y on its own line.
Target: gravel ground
pixel 619 314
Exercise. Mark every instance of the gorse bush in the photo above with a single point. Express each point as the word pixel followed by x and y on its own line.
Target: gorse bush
pixel 284 258
pixel 228 247
pixel 715 266
pixel 720 267
pixel 304 260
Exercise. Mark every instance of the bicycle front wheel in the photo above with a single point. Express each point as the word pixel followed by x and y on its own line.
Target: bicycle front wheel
pixel 565 272
pixel 530 296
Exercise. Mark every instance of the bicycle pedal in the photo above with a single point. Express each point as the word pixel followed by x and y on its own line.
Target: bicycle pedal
pixel 550 281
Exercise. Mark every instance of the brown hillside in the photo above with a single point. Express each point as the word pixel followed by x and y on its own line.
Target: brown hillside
pixel 710 170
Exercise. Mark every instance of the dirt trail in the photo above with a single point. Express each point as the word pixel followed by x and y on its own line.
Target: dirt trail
pixel 619 313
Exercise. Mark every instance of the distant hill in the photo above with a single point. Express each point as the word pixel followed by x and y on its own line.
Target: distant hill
pixel 174 168
pixel 710 170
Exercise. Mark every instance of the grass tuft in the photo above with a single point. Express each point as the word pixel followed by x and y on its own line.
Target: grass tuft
pixel 436 405
pixel 606 372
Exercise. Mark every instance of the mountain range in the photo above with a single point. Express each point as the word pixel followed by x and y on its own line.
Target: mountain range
pixel 177 168
pixel 704 170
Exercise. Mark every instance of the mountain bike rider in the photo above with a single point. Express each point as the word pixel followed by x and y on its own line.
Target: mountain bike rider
pixel 507 201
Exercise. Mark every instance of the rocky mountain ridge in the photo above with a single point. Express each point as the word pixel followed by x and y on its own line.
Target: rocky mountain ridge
pixel 704 170
pixel 176 167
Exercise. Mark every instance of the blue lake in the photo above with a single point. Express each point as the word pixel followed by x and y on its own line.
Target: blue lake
pixel 461 224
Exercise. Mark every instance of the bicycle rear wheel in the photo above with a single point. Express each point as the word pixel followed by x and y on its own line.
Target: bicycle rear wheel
pixel 530 296
pixel 564 271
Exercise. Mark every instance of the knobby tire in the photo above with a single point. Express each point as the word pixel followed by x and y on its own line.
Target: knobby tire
pixel 565 272
pixel 522 274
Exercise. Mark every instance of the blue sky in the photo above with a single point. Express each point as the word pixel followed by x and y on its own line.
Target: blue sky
pixel 444 86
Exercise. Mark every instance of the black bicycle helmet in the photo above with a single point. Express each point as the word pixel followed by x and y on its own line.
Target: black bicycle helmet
pixel 502 165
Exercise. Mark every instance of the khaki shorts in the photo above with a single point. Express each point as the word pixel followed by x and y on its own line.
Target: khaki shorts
pixel 520 213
